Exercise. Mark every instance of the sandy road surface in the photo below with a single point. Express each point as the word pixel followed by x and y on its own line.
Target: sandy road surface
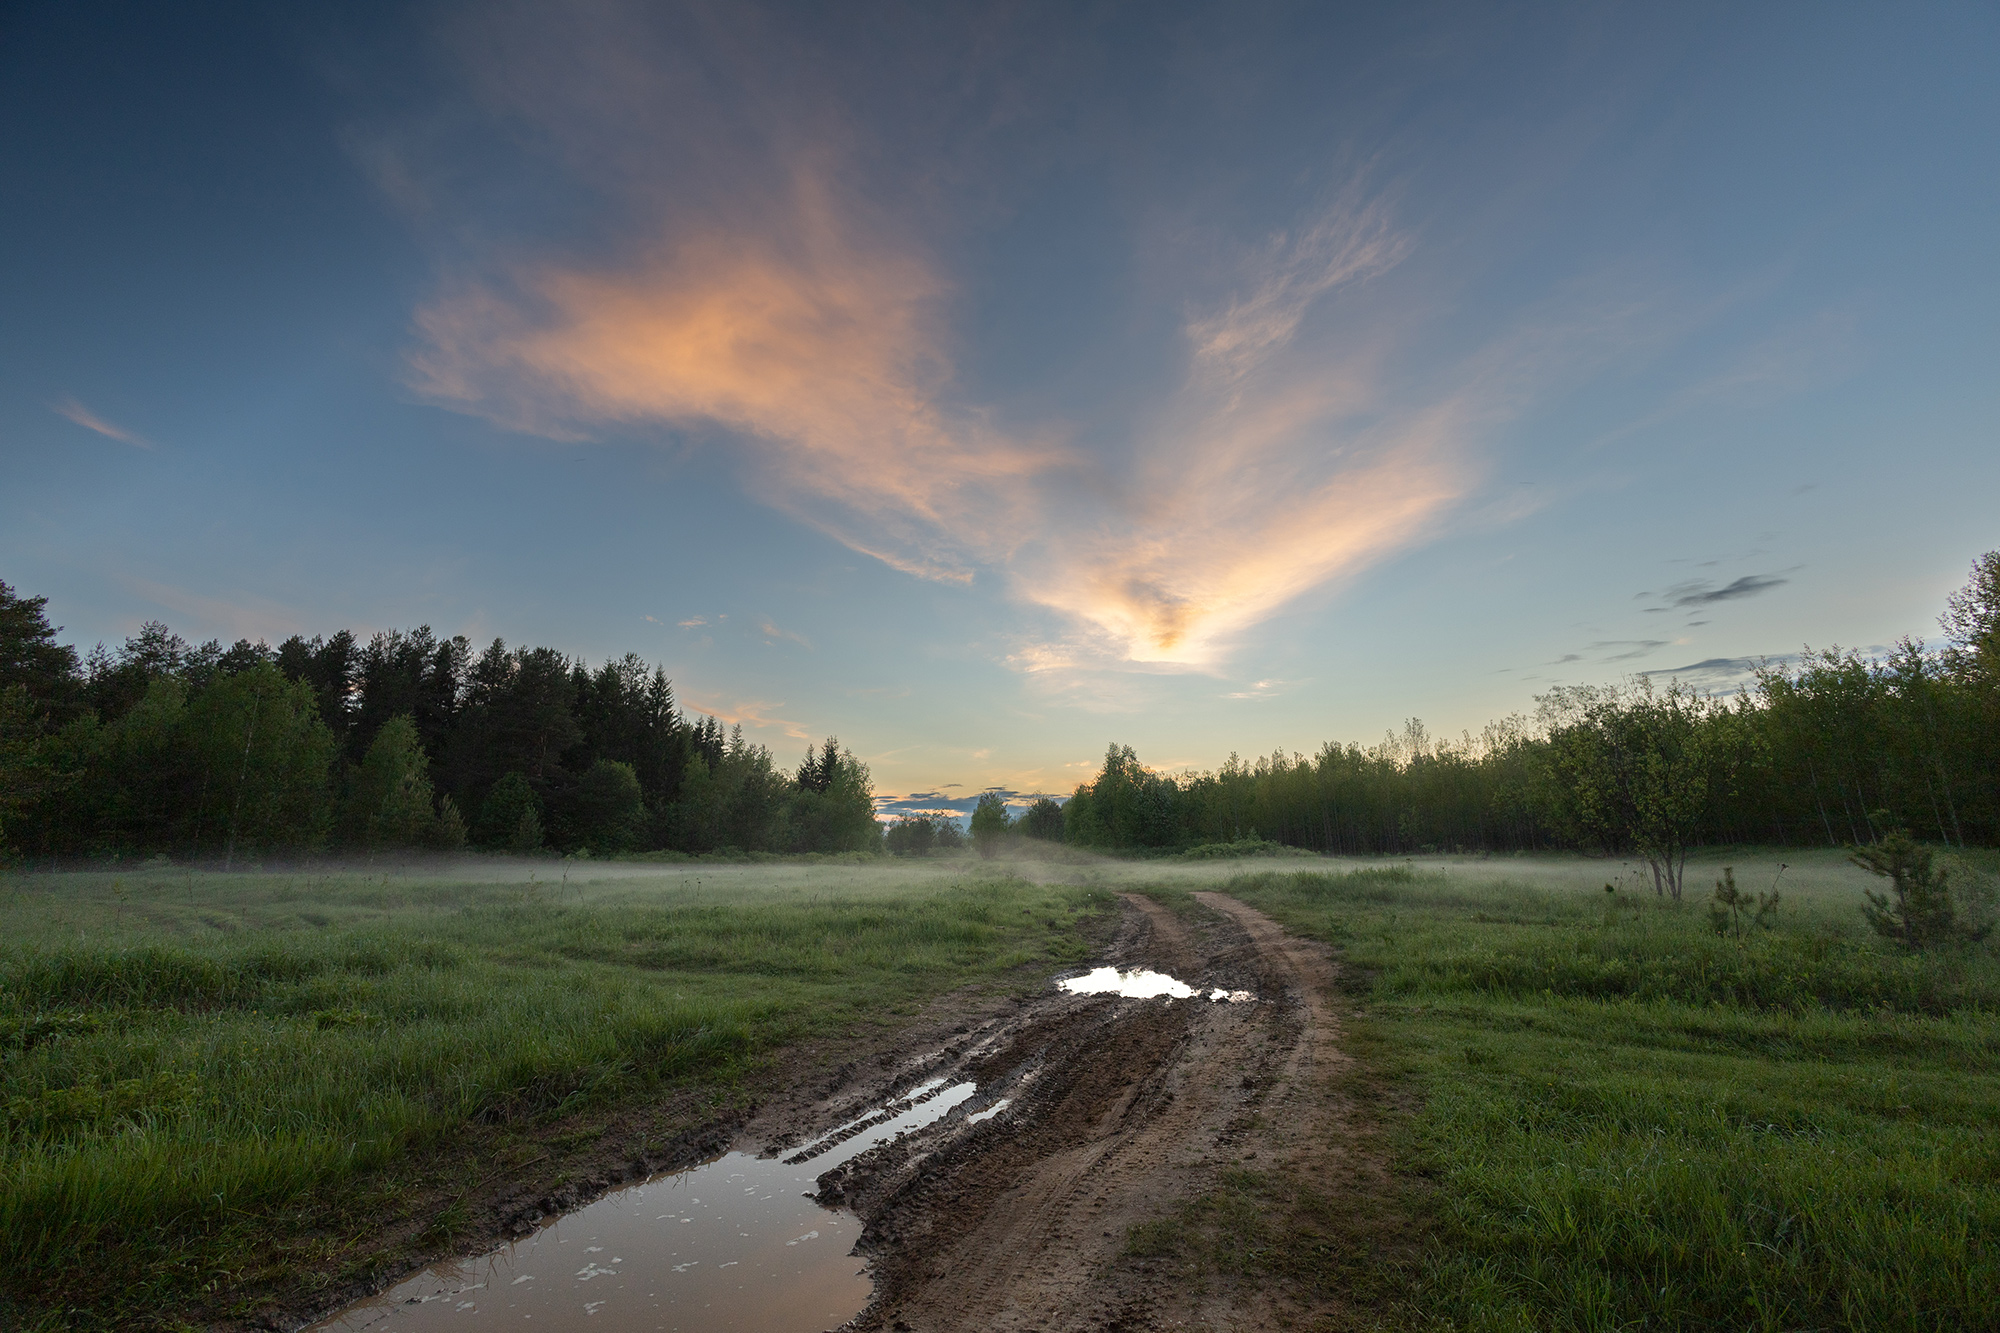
pixel 1111 1112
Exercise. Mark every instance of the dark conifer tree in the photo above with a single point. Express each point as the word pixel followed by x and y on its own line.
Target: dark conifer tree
pixel 31 658
pixel 332 667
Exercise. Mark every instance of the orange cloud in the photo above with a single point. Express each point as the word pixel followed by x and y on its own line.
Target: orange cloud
pixel 752 713
pixel 1243 529
pixel 823 354
pixel 817 344
pixel 1281 469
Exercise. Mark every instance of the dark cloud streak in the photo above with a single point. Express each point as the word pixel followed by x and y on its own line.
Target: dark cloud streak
pixel 1702 593
pixel 889 807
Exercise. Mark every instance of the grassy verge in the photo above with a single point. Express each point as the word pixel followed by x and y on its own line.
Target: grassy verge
pixel 1338 1252
pixel 186 1061
pixel 1628 1121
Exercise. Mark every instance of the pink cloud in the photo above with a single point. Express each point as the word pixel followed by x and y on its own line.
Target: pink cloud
pixel 89 420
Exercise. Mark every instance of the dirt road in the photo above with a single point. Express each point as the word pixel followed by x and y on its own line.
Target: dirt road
pixel 1094 1114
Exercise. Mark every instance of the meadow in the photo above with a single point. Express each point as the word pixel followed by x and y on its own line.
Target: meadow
pixel 1621 1119
pixel 190 1060
pixel 1602 1114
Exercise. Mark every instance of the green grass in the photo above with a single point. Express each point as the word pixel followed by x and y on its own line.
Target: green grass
pixel 1622 1121
pixel 1629 1122
pixel 183 1055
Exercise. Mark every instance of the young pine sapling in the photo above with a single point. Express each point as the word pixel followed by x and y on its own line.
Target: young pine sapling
pixel 1918 911
pixel 1729 907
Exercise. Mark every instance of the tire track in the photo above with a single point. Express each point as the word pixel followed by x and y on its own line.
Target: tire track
pixel 1121 1110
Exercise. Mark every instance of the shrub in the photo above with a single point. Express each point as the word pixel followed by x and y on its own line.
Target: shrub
pixel 1251 846
pixel 1918 911
pixel 1729 906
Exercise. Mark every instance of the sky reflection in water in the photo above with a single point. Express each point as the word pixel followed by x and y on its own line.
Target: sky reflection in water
pixel 732 1244
pixel 1144 984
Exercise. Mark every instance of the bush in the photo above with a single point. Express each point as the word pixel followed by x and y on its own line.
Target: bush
pixel 1250 846
pixel 1918 912
pixel 1730 906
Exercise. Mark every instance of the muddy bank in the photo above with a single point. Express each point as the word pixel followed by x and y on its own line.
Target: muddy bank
pixel 1075 1119
pixel 499 1182
pixel 1096 1114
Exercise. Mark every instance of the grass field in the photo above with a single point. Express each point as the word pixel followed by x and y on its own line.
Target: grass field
pixel 188 1057
pixel 1611 1117
pixel 1626 1121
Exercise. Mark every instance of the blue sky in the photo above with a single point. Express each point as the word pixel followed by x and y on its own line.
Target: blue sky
pixel 986 383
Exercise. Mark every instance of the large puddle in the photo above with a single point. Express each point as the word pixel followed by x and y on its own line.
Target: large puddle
pixel 1143 984
pixel 731 1244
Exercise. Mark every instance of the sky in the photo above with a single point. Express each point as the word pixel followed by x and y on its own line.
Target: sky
pixel 983 384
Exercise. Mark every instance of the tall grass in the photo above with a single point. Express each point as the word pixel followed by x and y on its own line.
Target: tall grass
pixel 1631 1122
pixel 179 1055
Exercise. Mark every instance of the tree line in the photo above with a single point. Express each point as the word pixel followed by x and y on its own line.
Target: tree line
pixel 408 740
pixel 1833 749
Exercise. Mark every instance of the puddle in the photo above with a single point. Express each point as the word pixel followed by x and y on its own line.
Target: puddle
pixel 731 1244
pixel 1143 984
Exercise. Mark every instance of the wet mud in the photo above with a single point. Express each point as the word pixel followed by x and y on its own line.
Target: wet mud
pixel 987 1173
pixel 794 1270
pixel 1102 1111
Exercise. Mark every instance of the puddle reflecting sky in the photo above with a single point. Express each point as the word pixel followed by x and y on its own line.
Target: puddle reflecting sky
pixel 1143 984
pixel 732 1244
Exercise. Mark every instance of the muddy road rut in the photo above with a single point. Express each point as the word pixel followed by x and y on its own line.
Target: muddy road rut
pixel 1094 1113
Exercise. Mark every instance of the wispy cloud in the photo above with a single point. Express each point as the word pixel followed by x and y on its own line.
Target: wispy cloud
pixel 1798 359
pixel 89 420
pixel 1263 689
pixel 1712 672
pixel 1629 649
pixel 790 299
pixel 755 713
pixel 1231 528
pixel 1353 239
pixel 1298 469
pixel 1715 673
pixel 772 634
pixel 1704 592
pixel 819 347
pixel 1279 465
pixel 242 616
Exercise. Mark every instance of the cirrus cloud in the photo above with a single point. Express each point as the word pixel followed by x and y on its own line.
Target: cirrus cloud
pixel 821 355
pixel 89 420
pixel 816 349
pixel 790 302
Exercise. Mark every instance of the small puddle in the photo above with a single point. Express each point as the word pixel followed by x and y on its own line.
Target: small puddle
pixel 730 1244
pixel 1143 984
